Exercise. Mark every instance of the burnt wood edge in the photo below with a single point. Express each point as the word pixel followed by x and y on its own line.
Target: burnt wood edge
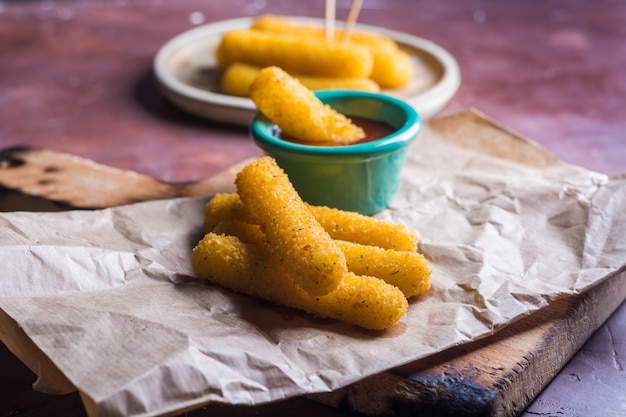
pixel 9 157
pixel 451 385
pixel 52 175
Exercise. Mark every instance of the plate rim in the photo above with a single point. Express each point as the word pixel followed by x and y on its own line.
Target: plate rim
pixel 427 103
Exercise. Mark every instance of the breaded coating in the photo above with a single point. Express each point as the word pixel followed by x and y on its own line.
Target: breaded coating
pixel 392 67
pixel 409 271
pixel 238 77
pixel 297 54
pixel 340 224
pixel 222 206
pixel 298 112
pixel 363 301
pixel 246 232
pixel 282 24
pixel 305 249
pixel 358 228
pixel 337 83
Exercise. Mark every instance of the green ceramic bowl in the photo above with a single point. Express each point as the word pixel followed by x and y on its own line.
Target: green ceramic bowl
pixel 361 177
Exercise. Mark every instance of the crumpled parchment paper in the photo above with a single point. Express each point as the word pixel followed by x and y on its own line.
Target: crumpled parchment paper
pixel 105 301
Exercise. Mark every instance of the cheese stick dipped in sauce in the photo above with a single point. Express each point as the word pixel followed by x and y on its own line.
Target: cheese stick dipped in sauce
pixel 298 112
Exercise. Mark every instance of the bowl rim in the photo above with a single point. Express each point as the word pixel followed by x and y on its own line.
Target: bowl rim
pixel 261 125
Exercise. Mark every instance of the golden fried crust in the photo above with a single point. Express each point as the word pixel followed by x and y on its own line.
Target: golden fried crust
pixel 297 54
pixel 266 242
pixel 358 228
pixel 305 250
pixel 409 271
pixel 298 112
pixel 243 267
pixel 339 224
pixel 222 206
pixel 238 77
pixel 392 67
pixel 283 25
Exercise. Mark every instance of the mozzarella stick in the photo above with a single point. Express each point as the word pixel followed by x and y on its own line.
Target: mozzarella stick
pixel 363 301
pixel 305 249
pixel 222 206
pixel 298 112
pixel 284 25
pixel 337 83
pixel 339 224
pixel 358 228
pixel 391 67
pixel 297 54
pixel 238 77
pixel 246 232
pixel 409 271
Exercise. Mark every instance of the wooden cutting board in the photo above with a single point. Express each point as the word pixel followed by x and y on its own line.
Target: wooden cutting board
pixel 495 376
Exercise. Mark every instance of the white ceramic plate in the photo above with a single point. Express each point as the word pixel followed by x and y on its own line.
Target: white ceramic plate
pixel 188 74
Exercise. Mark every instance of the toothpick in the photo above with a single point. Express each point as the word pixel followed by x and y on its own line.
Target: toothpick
pixel 352 17
pixel 330 20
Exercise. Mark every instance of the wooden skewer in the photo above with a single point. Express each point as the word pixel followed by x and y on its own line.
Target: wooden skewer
pixel 330 20
pixel 352 17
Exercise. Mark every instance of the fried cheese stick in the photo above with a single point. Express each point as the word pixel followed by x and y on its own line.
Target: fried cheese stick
pixel 246 232
pixel 391 68
pixel 339 224
pixel 409 271
pixel 360 300
pixel 297 54
pixel 282 24
pixel 221 207
pixel 238 77
pixel 298 112
pixel 305 249
pixel 358 228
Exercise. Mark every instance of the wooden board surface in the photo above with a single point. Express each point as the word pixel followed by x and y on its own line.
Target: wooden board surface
pixel 496 376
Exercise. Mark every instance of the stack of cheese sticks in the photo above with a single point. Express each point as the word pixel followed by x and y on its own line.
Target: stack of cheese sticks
pixel 363 61
pixel 266 242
